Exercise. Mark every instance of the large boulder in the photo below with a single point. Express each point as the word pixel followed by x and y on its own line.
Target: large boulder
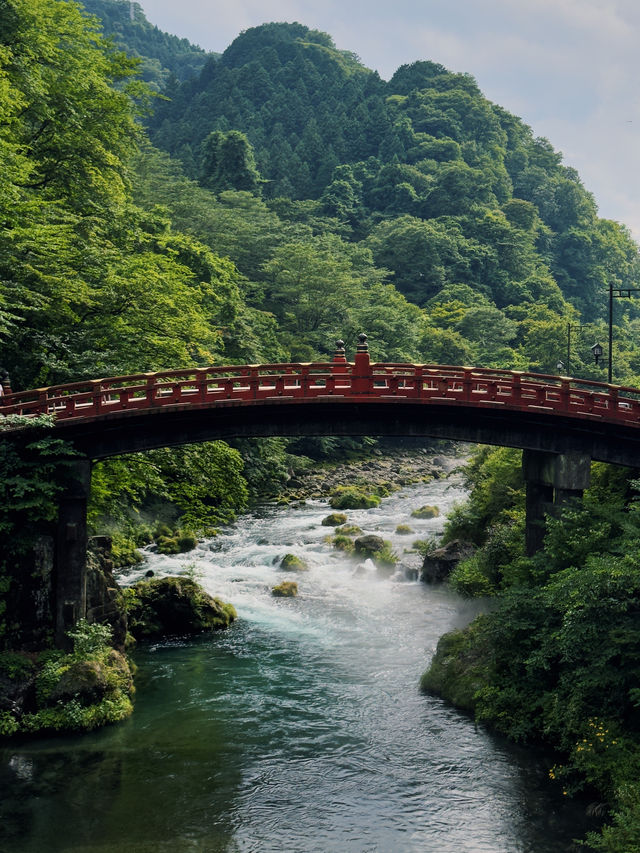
pixel 175 606
pixel 369 545
pixel 439 563
pixel 89 681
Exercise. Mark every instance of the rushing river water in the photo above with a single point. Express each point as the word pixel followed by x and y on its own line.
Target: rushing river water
pixel 301 728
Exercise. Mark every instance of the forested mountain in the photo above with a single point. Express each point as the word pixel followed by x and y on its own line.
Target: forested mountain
pixel 163 57
pixel 444 186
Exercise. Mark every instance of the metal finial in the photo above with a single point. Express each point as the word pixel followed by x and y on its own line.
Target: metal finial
pixel 339 354
pixel 363 346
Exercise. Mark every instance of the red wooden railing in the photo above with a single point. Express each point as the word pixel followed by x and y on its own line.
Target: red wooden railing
pixel 338 380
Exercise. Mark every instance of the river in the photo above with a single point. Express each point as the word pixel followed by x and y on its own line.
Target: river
pixel 301 728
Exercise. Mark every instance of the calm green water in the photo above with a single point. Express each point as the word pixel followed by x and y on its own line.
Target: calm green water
pixel 301 728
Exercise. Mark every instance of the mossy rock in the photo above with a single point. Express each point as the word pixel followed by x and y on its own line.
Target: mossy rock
pixel 348 530
pixel 175 606
pixel 91 680
pixel 335 519
pixel 426 512
pixel 342 543
pixel 403 530
pixel 460 666
pixel 369 545
pixel 379 550
pixel 353 497
pixel 286 589
pixel 293 563
pixel 180 542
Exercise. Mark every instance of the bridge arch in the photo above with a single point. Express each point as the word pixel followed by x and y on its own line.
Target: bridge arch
pixel 560 423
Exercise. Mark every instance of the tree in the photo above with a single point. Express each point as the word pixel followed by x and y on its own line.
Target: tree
pixel 228 163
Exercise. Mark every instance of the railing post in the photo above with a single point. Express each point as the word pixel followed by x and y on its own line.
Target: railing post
pixel 201 384
pixel 466 384
pixel 151 389
pixel 516 387
pixel 96 395
pixel 362 379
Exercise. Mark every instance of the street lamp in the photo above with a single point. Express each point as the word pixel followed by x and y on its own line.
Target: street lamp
pixel 573 327
pixel 597 351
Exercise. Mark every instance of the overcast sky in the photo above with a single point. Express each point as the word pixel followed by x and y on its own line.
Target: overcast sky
pixel 569 68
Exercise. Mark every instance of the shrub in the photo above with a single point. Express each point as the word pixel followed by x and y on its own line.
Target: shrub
pixel 467 578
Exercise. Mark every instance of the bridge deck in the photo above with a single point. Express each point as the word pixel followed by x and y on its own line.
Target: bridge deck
pixel 107 399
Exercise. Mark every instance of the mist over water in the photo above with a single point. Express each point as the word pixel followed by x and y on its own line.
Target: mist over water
pixel 301 728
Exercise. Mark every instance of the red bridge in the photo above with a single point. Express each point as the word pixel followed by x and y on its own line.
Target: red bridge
pixel 560 423
pixel 120 414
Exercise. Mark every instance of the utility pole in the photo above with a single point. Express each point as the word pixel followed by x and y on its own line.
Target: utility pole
pixel 616 293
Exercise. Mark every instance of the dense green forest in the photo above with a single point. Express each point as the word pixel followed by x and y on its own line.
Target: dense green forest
pixel 258 205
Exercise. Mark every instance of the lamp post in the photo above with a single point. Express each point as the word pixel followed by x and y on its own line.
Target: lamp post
pixel 572 327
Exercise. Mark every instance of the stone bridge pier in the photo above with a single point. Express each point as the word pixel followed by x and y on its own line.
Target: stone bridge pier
pixel 552 479
pixel 71 550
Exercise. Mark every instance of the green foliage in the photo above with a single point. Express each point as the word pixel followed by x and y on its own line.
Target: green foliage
pixel 179 543
pixel 228 163
pixel 496 476
pixel 342 542
pixel 424 546
pixel 124 552
pixel 89 637
pixel 16 665
pixel 386 557
pixel 459 668
pixel 468 578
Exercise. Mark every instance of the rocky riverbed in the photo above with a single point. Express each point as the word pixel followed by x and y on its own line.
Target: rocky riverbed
pixel 392 468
